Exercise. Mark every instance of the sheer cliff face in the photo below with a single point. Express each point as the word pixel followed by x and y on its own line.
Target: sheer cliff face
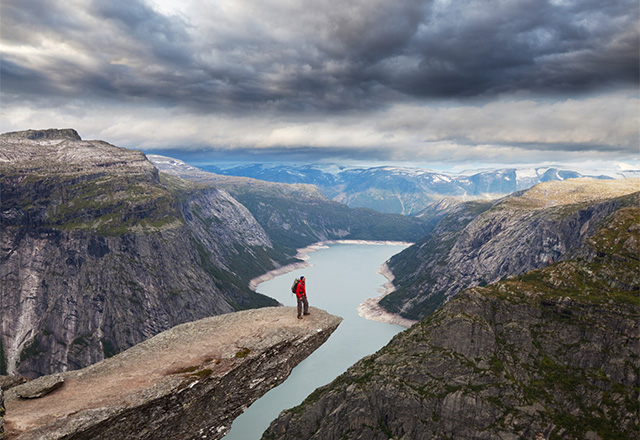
pixel 550 354
pixel 100 252
pixel 480 244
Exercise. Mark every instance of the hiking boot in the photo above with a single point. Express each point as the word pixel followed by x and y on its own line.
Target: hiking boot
pixel 307 313
pixel 299 317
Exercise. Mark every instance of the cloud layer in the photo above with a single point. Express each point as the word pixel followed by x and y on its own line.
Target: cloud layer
pixel 393 78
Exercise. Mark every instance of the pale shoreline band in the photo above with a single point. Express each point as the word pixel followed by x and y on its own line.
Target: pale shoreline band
pixel 370 309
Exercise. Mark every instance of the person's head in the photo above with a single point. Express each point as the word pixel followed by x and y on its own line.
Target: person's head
pixel 301 278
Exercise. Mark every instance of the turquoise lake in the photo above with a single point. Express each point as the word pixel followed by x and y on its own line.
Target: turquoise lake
pixel 341 277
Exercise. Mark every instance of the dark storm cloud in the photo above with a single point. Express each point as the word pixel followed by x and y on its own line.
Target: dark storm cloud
pixel 116 49
pixel 270 55
pixel 442 80
pixel 165 38
pixel 530 45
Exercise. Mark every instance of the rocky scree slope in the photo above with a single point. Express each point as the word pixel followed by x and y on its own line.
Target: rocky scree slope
pixel 100 252
pixel 479 243
pixel 296 216
pixel 189 382
pixel 550 354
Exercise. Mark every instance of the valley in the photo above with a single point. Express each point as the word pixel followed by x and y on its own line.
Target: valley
pixel 550 354
pixel 527 303
pixel 101 251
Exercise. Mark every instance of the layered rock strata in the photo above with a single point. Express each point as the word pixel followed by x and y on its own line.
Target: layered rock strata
pixel 189 382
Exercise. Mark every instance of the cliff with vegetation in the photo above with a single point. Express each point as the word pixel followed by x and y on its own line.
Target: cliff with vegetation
pixel 297 215
pixel 479 243
pixel 100 251
pixel 549 354
pixel 189 382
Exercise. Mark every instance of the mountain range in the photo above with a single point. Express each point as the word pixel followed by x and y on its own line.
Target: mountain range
pixel 479 243
pixel 528 303
pixel 403 190
pixel 297 215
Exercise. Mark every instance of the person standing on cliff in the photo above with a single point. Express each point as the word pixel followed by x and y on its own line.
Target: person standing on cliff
pixel 301 294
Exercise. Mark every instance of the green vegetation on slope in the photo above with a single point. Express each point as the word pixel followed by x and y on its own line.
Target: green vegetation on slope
pixel 553 352
pixel 298 219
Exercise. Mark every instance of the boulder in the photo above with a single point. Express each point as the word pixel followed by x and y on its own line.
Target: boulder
pixel 39 387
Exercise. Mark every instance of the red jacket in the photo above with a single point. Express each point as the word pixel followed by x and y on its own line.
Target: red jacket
pixel 301 289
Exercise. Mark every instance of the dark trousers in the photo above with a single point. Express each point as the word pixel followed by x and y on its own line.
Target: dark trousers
pixel 303 300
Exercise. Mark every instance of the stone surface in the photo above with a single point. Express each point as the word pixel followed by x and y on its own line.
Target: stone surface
pixel 550 354
pixel 2 412
pixel 39 387
pixel 188 382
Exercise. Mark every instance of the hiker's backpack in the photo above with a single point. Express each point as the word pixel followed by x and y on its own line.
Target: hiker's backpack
pixel 294 286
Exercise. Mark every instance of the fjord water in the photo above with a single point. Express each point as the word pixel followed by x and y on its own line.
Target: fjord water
pixel 341 277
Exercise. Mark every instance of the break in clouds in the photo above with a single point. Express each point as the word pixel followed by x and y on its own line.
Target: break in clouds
pixel 439 80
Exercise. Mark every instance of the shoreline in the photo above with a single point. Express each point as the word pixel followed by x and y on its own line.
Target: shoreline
pixel 369 309
pixel 303 254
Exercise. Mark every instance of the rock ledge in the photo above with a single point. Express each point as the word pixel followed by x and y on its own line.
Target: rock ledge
pixel 188 382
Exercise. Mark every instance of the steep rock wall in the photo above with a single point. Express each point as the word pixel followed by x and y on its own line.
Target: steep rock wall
pixel 476 246
pixel 552 354
pixel 98 252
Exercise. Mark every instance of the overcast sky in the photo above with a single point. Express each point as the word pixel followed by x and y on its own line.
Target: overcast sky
pixel 441 82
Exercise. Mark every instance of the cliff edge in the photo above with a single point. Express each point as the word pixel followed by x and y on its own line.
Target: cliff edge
pixel 188 382
pixel 99 251
pixel 551 354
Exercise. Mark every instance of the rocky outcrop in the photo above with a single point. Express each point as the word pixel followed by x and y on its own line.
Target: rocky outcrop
pixel 475 245
pixel 40 387
pixel 100 252
pixel 7 382
pixel 52 134
pixel 551 354
pixel 189 382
